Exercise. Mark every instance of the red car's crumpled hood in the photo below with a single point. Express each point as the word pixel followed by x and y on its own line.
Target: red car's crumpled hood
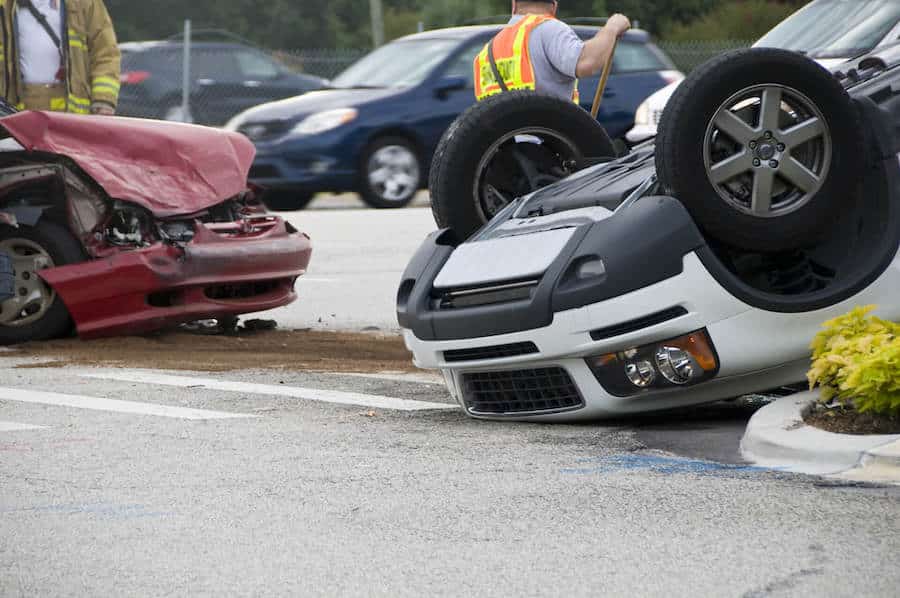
pixel 168 168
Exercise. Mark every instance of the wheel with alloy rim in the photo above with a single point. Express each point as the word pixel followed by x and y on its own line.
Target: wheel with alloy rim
pixel 36 312
pixel 764 148
pixel 392 173
pixel 505 147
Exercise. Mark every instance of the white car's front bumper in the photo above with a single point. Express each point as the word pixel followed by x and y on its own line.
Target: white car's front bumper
pixel 756 349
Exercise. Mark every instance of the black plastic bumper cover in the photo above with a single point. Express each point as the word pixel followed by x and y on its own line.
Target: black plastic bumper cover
pixel 639 246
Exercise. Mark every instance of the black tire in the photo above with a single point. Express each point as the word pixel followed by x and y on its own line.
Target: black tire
pixel 411 172
pixel 685 171
pixel 63 249
pixel 286 201
pixel 455 199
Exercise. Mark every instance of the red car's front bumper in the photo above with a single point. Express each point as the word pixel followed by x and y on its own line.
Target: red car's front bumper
pixel 225 270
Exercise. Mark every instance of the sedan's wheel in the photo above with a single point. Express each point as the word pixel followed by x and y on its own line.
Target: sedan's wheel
pixel 392 173
pixel 36 312
pixel 764 147
pixel 33 296
pixel 505 147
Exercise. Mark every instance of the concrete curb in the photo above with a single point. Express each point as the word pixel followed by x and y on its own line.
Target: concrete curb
pixel 776 437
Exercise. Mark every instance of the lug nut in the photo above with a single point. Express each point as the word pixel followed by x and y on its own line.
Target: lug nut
pixel 26 275
pixel 756 162
pixel 23 291
pixel 774 163
pixel 780 147
pixel 768 134
pixel 752 145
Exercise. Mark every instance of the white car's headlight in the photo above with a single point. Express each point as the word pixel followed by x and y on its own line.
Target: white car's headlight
pixel 325 121
pixel 642 116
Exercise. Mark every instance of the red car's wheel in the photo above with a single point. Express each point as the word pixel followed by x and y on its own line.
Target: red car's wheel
pixel 36 312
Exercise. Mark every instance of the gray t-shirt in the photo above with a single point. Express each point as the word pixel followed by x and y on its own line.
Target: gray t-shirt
pixel 555 49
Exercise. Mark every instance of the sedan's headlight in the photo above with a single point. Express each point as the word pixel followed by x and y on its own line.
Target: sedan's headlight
pixel 682 361
pixel 325 121
pixel 642 116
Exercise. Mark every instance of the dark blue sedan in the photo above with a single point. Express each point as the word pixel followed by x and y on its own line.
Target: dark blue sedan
pixel 375 131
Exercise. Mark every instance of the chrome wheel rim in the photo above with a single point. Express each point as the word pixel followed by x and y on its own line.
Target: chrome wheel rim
pixel 393 173
pixel 767 151
pixel 556 160
pixel 33 297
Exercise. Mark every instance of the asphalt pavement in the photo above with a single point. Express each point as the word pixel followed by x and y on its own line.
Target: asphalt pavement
pixel 147 483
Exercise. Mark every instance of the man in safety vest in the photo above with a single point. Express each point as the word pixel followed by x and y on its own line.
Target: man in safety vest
pixel 59 55
pixel 538 52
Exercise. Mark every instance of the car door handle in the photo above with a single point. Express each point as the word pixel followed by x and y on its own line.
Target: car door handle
pixel 206 82
pixel 252 83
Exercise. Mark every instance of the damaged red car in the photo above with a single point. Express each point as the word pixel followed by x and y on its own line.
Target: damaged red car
pixel 123 226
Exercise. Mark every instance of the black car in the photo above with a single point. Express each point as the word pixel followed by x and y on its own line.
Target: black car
pixel 226 78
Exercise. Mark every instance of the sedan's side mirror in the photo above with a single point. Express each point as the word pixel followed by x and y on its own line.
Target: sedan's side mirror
pixel 450 84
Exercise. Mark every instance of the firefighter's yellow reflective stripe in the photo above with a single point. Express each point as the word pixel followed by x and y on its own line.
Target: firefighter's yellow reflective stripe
pixel 77 44
pixel 79 105
pixel 20 106
pixel 58 104
pixel 106 85
pixel 74 35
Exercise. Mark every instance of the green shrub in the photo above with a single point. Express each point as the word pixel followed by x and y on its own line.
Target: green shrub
pixel 856 359
pixel 737 19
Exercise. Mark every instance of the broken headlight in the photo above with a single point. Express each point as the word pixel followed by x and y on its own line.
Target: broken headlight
pixel 178 231
pixel 127 227
pixel 682 361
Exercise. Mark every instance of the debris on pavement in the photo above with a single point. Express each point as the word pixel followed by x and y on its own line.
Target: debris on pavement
pixel 290 350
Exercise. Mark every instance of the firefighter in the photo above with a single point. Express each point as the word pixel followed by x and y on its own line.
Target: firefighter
pixel 538 52
pixel 59 55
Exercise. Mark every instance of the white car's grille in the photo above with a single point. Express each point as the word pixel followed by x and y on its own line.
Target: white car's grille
pixel 520 392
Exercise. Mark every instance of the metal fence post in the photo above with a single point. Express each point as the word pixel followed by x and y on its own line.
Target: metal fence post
pixel 377 13
pixel 186 74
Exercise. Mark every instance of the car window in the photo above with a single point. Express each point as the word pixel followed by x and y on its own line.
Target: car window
pixel 403 63
pixel 462 65
pixel 634 58
pixel 835 28
pixel 254 65
pixel 214 63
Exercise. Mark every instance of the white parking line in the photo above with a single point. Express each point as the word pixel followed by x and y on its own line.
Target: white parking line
pixel 307 394
pixel 14 427
pixel 98 404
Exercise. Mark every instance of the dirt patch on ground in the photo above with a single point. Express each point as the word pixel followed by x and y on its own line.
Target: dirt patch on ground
pixel 849 421
pixel 281 350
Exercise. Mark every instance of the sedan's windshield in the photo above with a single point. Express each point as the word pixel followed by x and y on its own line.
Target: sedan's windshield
pixel 398 64
pixel 836 28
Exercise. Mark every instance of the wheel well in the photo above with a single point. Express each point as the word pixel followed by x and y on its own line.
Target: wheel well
pixel 404 134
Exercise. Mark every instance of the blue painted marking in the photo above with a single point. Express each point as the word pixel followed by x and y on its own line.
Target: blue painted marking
pixel 657 464
pixel 104 510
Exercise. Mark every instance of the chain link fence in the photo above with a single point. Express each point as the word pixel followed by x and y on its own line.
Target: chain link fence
pixel 326 63
pixel 689 55
pixel 229 78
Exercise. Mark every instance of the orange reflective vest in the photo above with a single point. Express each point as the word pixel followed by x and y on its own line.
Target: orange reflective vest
pixel 513 59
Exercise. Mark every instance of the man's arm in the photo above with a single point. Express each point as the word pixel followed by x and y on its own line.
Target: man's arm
pixel 598 50
pixel 105 60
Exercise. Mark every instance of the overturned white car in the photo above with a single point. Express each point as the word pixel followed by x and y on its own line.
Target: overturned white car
pixel 694 269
